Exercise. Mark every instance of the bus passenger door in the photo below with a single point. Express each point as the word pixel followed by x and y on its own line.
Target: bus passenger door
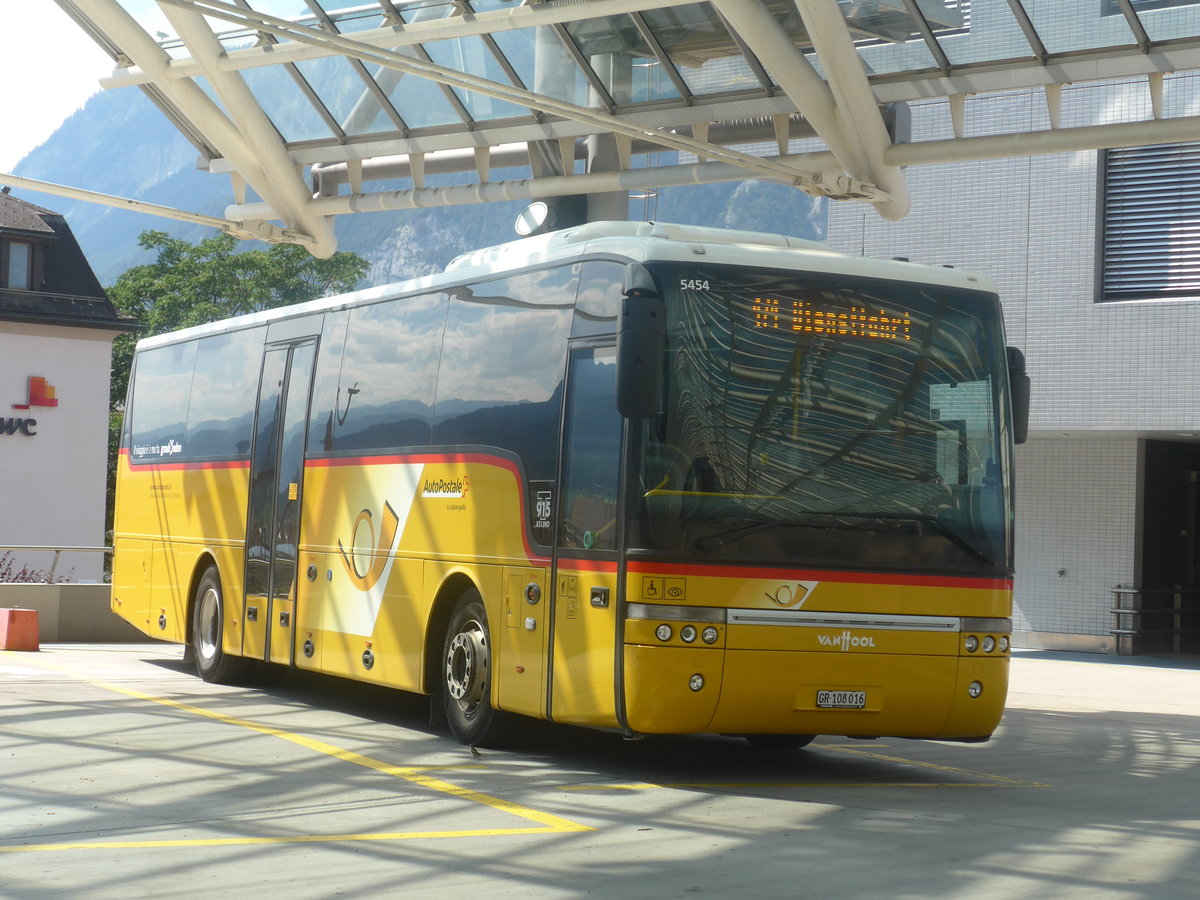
pixel 273 517
pixel 585 640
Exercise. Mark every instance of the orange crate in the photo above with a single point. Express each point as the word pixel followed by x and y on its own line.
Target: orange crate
pixel 18 629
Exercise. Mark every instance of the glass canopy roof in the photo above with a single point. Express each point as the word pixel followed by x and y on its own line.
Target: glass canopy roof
pixel 319 108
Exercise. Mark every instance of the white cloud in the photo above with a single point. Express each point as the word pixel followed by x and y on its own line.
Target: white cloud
pixel 49 68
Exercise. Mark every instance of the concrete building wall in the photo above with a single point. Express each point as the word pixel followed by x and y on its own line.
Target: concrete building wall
pixel 53 481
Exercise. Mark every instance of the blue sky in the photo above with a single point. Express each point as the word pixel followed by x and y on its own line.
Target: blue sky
pixel 44 47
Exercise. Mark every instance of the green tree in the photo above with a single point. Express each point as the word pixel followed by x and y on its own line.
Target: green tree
pixel 191 284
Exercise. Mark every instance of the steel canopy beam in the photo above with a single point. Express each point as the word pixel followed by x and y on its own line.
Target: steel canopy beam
pixel 856 104
pixel 819 183
pixel 202 113
pixel 288 189
pixel 456 26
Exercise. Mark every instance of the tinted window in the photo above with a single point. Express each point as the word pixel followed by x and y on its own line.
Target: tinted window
pixel 593 453
pixel 502 366
pixel 221 412
pixel 384 396
pixel 160 402
pixel 325 395
pixel 599 300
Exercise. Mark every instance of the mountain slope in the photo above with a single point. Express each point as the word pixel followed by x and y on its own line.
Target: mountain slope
pixel 119 143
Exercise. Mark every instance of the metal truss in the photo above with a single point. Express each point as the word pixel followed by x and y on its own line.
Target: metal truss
pixel 321 108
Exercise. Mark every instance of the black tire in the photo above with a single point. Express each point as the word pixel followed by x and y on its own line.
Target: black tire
pixel 466 674
pixel 779 742
pixel 208 620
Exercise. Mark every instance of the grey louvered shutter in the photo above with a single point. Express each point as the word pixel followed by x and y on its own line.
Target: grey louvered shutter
pixel 1150 228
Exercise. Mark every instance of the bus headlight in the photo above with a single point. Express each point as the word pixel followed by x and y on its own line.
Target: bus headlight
pixel 709 635
pixel 1003 643
pixel 663 632
pixel 971 643
pixel 687 633
pixel 989 644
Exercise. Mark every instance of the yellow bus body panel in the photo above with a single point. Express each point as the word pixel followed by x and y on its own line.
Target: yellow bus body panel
pixel 170 520
pixel 381 537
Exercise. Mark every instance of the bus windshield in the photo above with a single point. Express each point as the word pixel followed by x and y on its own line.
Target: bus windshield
pixel 826 421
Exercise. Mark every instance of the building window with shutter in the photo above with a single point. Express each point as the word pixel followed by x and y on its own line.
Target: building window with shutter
pixel 1149 223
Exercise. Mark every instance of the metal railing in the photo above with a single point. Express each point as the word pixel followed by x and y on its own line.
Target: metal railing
pixel 1150 617
pixel 57 551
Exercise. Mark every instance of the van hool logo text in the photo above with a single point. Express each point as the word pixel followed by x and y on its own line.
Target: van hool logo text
pixel 445 487
pixel 844 641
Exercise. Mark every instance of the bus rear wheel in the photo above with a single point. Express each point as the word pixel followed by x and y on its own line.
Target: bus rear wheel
pixel 208 620
pixel 467 674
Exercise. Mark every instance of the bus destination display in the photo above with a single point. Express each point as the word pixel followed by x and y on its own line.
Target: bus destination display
pixel 805 317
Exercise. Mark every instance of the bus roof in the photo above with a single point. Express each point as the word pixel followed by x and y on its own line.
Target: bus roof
pixel 638 241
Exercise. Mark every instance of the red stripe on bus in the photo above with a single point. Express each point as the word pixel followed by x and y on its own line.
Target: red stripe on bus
pixel 587 565
pixel 186 466
pixel 423 458
pixel 735 571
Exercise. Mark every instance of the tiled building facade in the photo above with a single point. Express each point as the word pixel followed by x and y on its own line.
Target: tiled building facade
pixel 1104 498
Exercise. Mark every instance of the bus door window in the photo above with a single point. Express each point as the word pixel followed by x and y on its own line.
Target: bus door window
pixel 291 472
pixel 592 453
pixel 273 517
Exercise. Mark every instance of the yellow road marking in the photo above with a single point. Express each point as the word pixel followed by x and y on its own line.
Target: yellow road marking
pixel 549 824
pixel 1002 780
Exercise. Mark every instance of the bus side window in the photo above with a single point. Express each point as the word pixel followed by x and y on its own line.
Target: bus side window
pixel 160 402
pixel 221 411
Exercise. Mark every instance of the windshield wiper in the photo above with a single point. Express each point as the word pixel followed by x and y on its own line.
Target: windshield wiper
pixel 724 537
pixel 832 519
pixel 924 519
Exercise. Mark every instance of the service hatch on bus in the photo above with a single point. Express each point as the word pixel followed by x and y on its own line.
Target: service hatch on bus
pixel 647 478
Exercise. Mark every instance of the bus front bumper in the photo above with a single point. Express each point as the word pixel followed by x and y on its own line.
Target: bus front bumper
pixel 686 690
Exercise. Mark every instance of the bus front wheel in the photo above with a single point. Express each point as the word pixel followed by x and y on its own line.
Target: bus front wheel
pixel 467 674
pixel 208 619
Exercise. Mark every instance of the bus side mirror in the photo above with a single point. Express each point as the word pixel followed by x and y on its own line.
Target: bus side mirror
pixel 1018 382
pixel 641 345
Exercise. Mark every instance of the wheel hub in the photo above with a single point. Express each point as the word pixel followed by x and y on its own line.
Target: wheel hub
pixel 466 667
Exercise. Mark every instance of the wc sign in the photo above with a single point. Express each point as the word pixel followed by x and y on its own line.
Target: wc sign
pixel 39 395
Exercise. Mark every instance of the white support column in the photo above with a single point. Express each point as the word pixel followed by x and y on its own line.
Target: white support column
pixel 284 185
pixel 857 107
pixel 795 75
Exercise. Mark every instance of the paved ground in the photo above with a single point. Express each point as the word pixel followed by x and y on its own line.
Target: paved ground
pixel 121 775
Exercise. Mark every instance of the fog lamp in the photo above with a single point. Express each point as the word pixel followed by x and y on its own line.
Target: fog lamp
pixel 696 682
pixel 974 689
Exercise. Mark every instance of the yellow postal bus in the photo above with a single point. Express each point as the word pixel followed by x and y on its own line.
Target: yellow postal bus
pixel 642 477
